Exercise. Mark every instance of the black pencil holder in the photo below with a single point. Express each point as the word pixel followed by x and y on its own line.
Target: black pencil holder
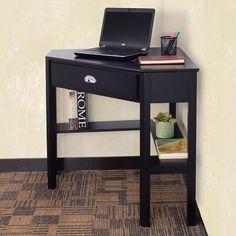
pixel 168 45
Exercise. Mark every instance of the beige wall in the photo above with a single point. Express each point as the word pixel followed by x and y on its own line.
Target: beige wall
pixel 208 34
pixel 30 29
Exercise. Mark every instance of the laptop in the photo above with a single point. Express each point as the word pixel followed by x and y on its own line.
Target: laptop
pixel 126 34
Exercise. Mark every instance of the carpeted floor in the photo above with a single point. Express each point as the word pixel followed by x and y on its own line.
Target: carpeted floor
pixel 86 203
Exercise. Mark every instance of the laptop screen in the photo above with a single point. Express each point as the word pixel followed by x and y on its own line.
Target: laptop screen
pixel 127 27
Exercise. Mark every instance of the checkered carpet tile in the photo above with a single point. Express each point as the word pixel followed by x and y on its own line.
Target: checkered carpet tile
pixel 87 203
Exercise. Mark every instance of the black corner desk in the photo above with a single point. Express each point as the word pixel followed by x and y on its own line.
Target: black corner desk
pixel 129 81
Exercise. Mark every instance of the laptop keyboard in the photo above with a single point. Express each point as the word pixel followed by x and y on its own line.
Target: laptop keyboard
pixel 114 51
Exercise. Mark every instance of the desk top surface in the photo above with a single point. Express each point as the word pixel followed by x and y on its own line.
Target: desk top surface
pixel 67 56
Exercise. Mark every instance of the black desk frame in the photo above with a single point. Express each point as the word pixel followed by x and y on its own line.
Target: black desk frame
pixel 169 84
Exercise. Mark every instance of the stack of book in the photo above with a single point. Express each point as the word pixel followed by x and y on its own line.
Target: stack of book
pixel 176 148
pixel 161 60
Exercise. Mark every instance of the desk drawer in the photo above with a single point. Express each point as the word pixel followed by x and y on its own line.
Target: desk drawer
pixel 171 87
pixel 117 84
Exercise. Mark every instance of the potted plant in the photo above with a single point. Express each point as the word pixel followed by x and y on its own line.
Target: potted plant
pixel 164 125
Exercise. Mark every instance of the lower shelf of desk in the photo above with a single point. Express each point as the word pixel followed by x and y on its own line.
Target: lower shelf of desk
pixel 169 166
pixel 155 165
pixel 102 126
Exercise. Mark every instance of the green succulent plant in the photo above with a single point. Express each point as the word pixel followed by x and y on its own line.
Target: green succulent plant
pixel 164 117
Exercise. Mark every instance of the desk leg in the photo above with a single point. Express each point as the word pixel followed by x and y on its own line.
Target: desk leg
pixel 144 151
pixel 172 109
pixel 191 181
pixel 51 132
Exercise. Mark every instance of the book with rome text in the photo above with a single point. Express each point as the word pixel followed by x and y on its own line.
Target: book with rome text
pixel 82 110
pixel 77 110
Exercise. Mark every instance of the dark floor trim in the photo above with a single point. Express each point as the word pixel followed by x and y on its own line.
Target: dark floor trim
pixel 82 163
pixel 94 163
pixel 200 222
pixel 27 164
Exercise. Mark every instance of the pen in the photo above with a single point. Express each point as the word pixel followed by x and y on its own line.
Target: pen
pixel 171 43
pixel 173 34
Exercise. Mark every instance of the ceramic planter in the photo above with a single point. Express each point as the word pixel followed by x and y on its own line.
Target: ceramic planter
pixel 164 129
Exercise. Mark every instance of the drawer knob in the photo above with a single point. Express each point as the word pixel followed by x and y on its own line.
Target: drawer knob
pixel 90 79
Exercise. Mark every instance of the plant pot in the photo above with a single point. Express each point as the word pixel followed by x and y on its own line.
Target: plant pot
pixel 165 129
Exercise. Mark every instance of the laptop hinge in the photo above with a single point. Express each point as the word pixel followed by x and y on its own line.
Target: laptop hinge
pixel 143 49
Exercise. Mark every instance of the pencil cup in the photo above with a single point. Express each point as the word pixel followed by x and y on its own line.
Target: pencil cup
pixel 168 45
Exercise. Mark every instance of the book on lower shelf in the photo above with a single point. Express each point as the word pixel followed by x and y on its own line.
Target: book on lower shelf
pixel 82 110
pixel 172 148
pixel 77 110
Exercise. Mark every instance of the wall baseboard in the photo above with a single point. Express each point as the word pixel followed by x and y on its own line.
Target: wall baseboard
pixel 200 222
pixel 27 164
pixel 83 163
